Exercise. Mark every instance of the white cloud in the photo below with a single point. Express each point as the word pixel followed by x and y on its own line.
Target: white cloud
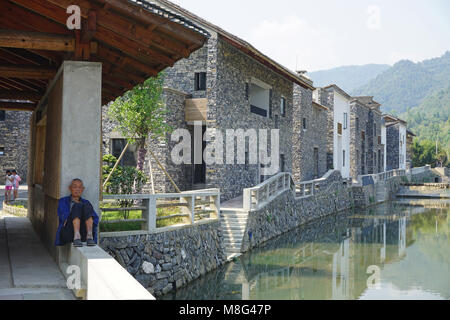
pixel 374 20
pixel 295 43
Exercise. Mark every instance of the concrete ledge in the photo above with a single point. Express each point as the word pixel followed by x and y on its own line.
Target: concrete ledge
pixel 102 277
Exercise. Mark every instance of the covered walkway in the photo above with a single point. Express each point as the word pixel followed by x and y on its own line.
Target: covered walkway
pixel 27 271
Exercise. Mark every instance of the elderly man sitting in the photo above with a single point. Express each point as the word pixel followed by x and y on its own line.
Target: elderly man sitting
pixel 77 219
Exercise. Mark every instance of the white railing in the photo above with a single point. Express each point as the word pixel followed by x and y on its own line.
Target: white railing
pixel 414 171
pixel 264 193
pixel 383 176
pixel 195 205
pixel 257 197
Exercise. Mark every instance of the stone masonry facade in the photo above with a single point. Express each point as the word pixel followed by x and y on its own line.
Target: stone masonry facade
pixel 14 141
pixel 228 70
pixel 309 145
pixel 366 150
pixel 393 152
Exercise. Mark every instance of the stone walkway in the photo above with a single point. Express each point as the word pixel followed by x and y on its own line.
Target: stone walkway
pixel 27 271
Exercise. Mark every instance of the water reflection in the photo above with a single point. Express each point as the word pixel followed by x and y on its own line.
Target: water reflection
pixel 329 259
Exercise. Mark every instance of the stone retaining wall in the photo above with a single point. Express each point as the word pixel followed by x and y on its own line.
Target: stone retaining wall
pixel 168 260
pixel 16 211
pixel 286 213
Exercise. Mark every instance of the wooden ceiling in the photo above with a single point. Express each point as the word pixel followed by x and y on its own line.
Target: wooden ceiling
pixel 132 40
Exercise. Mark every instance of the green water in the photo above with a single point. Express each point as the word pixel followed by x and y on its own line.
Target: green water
pixel 407 246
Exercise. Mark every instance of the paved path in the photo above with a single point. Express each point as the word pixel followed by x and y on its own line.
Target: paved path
pixel 27 271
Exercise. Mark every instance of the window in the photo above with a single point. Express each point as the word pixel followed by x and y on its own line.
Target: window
pixel 2 115
pixel 379 139
pixel 304 124
pixel 200 81
pixel 282 163
pixel 345 121
pixel 247 91
pixel 363 136
pixel 343 158
pixel 259 98
pixel 130 157
pixel 283 107
pixel 2 151
pixel 339 125
pixel 357 124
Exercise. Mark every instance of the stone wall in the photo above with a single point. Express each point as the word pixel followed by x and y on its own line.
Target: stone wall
pixel 364 154
pixel 305 141
pixel 9 209
pixel 230 109
pixel 168 260
pixel 14 138
pixel 326 98
pixel 286 213
pixel 392 147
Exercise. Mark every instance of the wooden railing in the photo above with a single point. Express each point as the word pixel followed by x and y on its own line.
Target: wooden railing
pixel 194 206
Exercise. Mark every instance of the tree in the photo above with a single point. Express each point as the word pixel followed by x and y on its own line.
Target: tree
pixel 140 115
pixel 424 152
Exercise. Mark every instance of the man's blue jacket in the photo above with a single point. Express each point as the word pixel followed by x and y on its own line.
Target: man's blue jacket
pixel 63 214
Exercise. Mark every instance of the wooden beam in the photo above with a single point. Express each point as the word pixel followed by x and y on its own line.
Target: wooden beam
pixel 17 106
pixel 20 95
pixel 36 40
pixel 26 72
pixel 138 13
pixel 127 27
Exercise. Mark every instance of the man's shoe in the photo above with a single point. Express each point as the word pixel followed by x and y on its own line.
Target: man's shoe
pixel 91 243
pixel 77 243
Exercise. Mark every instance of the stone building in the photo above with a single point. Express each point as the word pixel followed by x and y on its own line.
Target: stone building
pixel 14 141
pixel 366 144
pixel 226 85
pixel 395 143
pixel 409 142
pixel 309 143
pixel 338 127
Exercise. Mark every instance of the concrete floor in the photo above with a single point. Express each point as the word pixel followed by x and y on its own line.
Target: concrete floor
pixel 27 271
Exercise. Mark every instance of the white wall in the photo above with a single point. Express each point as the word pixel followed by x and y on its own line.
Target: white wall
pixel 384 141
pixel 341 106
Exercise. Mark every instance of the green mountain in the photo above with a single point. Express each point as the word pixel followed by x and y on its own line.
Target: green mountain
pixel 348 78
pixel 407 84
pixel 430 120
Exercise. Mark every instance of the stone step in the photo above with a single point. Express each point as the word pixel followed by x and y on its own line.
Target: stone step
pixel 232 232
pixel 233 238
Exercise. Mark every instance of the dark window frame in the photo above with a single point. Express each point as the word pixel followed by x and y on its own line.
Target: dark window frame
pixel 2 115
pixel 200 81
pixel 283 107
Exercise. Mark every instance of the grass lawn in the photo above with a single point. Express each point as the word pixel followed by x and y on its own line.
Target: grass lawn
pixel 133 226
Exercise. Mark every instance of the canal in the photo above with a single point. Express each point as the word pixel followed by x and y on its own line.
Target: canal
pixel 398 250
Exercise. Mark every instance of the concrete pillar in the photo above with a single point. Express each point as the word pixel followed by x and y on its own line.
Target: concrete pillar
pixel 81 127
pixel 70 113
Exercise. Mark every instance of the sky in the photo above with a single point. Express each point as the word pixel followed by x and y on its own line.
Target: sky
pixel 316 35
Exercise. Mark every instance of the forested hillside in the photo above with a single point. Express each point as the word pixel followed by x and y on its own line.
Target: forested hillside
pixel 348 78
